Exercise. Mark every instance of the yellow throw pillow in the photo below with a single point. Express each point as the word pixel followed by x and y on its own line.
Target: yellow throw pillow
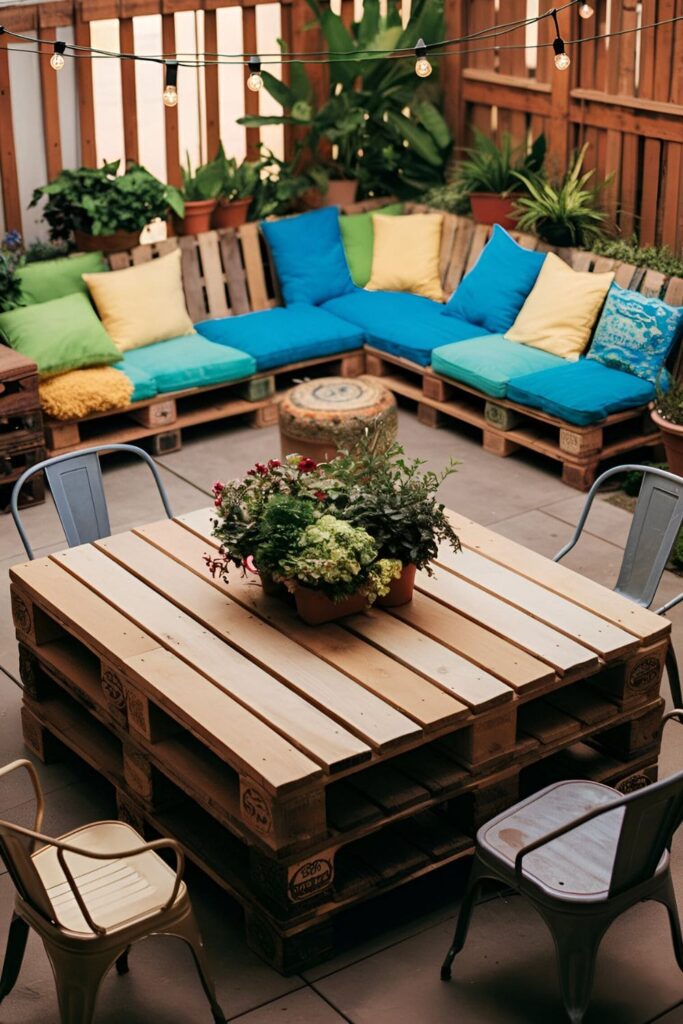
pixel 73 395
pixel 406 255
pixel 143 304
pixel 561 309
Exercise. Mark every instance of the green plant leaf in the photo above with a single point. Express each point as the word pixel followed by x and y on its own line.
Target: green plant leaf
pixel 431 118
pixel 417 138
pixel 278 90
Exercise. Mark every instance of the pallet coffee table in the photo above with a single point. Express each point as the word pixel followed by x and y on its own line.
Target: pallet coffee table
pixel 307 769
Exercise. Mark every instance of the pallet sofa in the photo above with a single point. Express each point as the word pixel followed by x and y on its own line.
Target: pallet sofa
pixel 230 272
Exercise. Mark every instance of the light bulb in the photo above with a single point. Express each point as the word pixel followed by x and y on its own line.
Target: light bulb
pixel 562 61
pixel 423 68
pixel 254 82
pixel 586 11
pixel 56 62
pixel 170 96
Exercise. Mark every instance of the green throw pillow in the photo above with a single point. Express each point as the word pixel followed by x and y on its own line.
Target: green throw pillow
pixel 52 279
pixel 358 237
pixel 64 334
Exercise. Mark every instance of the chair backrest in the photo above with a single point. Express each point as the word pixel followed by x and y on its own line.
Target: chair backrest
pixel 75 481
pixel 15 853
pixel 651 816
pixel 656 523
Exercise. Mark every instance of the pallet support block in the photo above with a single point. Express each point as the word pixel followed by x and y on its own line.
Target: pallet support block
pixel 36 737
pixel 164 444
pixel 61 435
pixel 428 416
pixel 581 476
pixel 638 679
pixel 435 388
pixel 498 444
pixel 486 740
pixel 282 822
pixel 258 388
pixel 581 442
pixel 292 953
pixel 636 736
pixel 266 416
pixel 291 888
pixel 500 417
pixel 353 365
pixel 157 414
pixel 375 365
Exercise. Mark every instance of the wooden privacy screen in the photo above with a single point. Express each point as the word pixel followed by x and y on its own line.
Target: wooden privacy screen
pixel 623 96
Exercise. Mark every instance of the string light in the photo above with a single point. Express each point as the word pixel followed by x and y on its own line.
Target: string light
pixel 585 11
pixel 254 81
pixel 57 59
pixel 562 58
pixel 170 93
pixel 423 68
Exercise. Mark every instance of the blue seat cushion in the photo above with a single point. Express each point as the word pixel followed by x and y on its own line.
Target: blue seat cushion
pixel 489 363
pixel 283 335
pixel 309 256
pixel 497 286
pixel 584 392
pixel 144 385
pixel 400 323
pixel 189 362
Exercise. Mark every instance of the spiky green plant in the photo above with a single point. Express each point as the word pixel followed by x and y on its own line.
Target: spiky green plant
pixel 490 167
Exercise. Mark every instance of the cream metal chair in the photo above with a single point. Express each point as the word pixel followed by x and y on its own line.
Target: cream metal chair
pixel 89 907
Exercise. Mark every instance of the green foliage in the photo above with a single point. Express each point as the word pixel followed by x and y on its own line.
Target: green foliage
pixel 381 122
pixel 204 183
pixel 451 197
pixel 498 169
pixel 654 257
pixel 235 181
pixel 669 401
pixel 279 188
pixel 11 258
pixel 564 212
pixel 99 201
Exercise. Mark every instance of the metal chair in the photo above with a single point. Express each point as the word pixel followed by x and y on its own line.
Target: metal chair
pixel 113 891
pixel 75 481
pixel 656 524
pixel 583 854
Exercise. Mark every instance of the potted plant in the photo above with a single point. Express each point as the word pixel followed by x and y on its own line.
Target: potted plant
pixel 200 192
pixel 491 174
pixel 667 414
pixel 238 185
pixel 14 255
pixel 105 211
pixel 562 213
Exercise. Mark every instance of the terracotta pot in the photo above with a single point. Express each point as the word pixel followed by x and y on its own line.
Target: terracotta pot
pixel 400 590
pixel 341 192
pixel 197 217
pixel 117 242
pixel 231 213
pixel 489 208
pixel 314 607
pixel 672 435
pixel 273 589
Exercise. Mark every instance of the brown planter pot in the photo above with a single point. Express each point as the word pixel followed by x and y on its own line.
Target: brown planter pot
pixel 231 213
pixel 488 208
pixel 197 217
pixel 400 590
pixel 315 608
pixel 341 193
pixel 273 589
pixel 117 242
pixel 672 435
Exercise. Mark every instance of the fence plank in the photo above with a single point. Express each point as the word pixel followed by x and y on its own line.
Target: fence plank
pixel 171 113
pixel 213 126
pixel 128 91
pixel 651 168
pixel 8 161
pixel 50 99
pixel 251 99
pixel 86 102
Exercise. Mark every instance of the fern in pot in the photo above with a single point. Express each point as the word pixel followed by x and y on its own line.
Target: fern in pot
pixel 491 174
pixel 667 414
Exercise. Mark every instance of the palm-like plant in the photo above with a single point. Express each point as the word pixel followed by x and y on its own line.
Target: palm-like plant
pixel 562 213
pixel 498 169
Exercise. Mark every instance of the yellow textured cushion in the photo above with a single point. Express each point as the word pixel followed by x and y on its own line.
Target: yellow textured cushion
pixel 406 255
pixel 143 304
pixel 70 396
pixel 561 309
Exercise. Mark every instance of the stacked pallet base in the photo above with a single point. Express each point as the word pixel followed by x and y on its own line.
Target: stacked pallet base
pixel 22 443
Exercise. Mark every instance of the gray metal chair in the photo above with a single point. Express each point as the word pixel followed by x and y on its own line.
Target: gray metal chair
pixel 583 854
pixel 656 524
pixel 75 481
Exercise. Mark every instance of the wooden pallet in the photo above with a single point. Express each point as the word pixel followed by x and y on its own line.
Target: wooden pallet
pixel 22 441
pixel 507 426
pixel 315 749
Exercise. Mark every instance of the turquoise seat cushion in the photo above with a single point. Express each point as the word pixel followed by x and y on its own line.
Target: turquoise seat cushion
pixel 497 286
pixel 584 392
pixel 275 337
pixel 309 256
pixel 636 333
pixel 189 362
pixel 490 363
pixel 400 323
pixel 144 385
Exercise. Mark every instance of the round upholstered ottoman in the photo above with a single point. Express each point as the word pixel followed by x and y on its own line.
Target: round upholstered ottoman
pixel 322 417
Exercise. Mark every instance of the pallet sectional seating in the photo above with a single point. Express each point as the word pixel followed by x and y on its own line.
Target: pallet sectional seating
pixel 578 413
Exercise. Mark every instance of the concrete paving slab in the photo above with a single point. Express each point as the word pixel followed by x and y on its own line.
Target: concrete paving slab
pixel 674 1016
pixel 302 1007
pixel 605 520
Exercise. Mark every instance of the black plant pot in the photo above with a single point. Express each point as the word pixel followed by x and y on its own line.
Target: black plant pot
pixel 555 234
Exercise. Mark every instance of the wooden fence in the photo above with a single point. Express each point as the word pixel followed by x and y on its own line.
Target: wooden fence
pixel 624 96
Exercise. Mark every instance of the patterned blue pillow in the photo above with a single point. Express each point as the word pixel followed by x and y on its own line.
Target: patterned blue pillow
pixel 635 333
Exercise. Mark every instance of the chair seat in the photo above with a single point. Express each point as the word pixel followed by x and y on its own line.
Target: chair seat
pixel 117 892
pixel 577 867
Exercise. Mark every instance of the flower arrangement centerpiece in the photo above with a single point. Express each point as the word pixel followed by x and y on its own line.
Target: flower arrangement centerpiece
pixel 338 535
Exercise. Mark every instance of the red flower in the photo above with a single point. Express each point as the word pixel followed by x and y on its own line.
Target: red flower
pixel 217 489
pixel 274 463
pixel 307 465
pixel 261 469
pixel 320 495
pixel 217 502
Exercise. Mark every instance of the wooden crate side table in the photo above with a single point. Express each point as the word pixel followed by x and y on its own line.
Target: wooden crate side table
pixel 22 441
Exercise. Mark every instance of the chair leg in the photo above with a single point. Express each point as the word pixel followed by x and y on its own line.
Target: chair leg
pixel 78 982
pixel 668 898
pixel 14 955
pixel 673 674
pixel 576 944
pixel 187 929
pixel 122 962
pixel 464 917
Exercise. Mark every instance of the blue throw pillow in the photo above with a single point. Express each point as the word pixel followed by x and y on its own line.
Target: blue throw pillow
pixel 497 286
pixel 635 333
pixel 309 256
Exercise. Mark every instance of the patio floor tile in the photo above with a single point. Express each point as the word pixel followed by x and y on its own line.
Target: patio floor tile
pixel 302 1007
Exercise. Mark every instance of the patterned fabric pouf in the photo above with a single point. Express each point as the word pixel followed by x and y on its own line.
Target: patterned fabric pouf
pixel 322 417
